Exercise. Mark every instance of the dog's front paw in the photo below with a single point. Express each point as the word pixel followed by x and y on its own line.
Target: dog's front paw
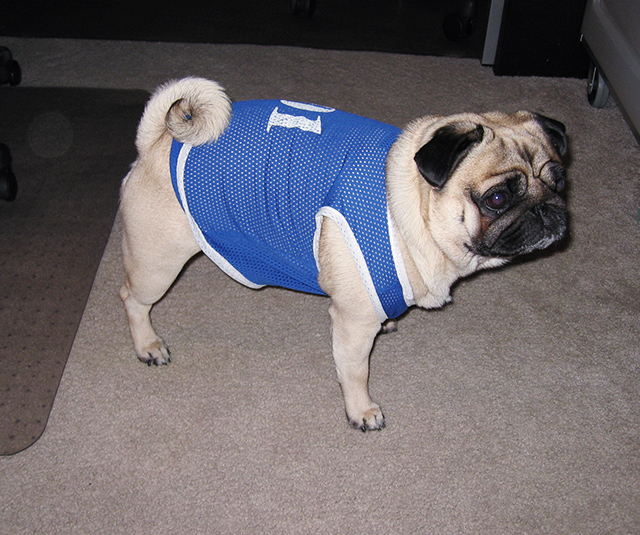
pixel 156 353
pixel 370 420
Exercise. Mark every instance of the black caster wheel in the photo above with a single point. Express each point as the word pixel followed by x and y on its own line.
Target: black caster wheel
pixel 461 25
pixel 8 182
pixel 10 72
pixel 303 7
pixel 597 90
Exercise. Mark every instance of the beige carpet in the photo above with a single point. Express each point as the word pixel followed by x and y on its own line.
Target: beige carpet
pixel 513 410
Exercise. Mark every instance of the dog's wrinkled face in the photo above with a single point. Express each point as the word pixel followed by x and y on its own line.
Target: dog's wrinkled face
pixel 496 184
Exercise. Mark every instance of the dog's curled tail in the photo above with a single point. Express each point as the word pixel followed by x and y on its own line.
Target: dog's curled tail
pixel 192 110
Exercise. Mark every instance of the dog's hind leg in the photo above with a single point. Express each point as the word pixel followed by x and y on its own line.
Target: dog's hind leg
pixel 157 242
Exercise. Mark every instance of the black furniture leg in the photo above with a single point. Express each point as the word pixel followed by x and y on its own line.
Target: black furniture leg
pixel 8 183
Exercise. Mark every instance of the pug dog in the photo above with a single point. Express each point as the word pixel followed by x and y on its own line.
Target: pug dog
pixel 314 199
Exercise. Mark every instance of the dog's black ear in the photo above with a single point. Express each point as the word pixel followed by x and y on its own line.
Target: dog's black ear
pixel 439 158
pixel 555 131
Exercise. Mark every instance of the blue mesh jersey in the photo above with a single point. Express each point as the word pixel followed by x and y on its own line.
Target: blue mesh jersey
pixel 256 197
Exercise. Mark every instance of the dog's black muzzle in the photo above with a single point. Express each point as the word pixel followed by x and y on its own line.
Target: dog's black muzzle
pixel 530 230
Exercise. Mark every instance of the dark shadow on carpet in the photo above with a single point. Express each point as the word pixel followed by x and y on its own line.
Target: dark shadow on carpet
pixel 70 148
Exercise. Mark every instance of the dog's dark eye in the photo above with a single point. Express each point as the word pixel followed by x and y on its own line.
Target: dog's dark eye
pixel 497 200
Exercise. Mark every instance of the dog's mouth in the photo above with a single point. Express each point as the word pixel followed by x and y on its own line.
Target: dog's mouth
pixel 526 231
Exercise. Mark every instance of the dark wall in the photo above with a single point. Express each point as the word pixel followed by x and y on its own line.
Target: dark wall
pixel 407 26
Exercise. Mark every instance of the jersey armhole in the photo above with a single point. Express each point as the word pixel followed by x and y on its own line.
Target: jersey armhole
pixel 356 254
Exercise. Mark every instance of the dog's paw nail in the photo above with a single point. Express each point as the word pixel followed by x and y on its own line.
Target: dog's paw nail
pixel 151 360
pixel 368 423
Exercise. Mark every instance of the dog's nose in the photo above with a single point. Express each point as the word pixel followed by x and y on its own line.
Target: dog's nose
pixel 553 216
